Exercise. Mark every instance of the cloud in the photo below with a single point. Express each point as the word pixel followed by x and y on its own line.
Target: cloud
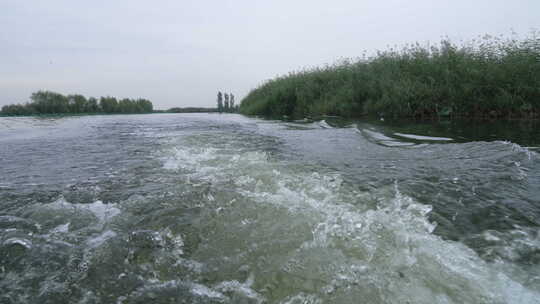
pixel 179 53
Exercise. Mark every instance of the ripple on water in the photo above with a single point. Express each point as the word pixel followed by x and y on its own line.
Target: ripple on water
pixel 201 211
pixel 374 245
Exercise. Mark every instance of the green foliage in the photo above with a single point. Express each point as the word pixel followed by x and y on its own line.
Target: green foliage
pixel 91 106
pixel 18 109
pixel 488 77
pixel 49 102
pixel 226 98
pixel 231 101
pixel 108 104
pixel 220 102
pixel 225 103
pixel 46 102
pixel 76 103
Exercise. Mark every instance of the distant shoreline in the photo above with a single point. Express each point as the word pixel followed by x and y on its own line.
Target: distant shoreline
pixel 105 114
pixel 190 110
pixel 73 114
pixel 287 118
pixel 51 103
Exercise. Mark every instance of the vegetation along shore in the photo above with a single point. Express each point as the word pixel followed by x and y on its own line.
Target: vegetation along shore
pixel 489 77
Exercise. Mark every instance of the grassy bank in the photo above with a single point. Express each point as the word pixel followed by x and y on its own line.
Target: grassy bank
pixel 488 77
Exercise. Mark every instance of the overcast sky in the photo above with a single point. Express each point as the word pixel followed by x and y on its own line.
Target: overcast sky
pixel 180 53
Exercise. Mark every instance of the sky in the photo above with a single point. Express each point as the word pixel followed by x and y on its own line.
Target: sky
pixel 181 53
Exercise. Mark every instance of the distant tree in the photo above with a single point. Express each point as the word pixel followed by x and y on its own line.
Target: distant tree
pixel 140 105
pixel 144 105
pixel 18 109
pixel 76 103
pixel 46 102
pixel 108 104
pixel 232 102
pixel 227 108
pixel 125 106
pixel 91 106
pixel 220 102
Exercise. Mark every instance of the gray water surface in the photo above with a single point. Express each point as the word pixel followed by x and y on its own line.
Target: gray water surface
pixel 209 208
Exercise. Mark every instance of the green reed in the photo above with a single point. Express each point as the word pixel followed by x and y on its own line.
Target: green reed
pixel 488 77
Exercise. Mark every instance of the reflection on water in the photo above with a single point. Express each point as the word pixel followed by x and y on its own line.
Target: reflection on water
pixel 208 208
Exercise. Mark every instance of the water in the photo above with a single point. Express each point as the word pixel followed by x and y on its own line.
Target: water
pixel 210 208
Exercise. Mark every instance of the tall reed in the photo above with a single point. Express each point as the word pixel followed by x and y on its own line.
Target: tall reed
pixel 487 77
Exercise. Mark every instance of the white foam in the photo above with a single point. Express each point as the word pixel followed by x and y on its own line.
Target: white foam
pixel 61 228
pixel 376 135
pixel 18 241
pixel 377 232
pixel 384 140
pixel 394 143
pixel 422 137
pixel 242 288
pixel 515 147
pixel 176 241
pixel 100 239
pixel 302 298
pixel 201 290
pixel 323 124
pixel 103 212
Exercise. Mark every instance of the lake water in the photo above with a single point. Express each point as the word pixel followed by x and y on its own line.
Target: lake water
pixel 209 208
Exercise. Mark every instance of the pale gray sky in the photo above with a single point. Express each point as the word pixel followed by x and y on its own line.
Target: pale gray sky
pixel 180 53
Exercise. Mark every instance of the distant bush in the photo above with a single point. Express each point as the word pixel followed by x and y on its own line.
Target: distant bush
pixel 488 77
pixel 46 102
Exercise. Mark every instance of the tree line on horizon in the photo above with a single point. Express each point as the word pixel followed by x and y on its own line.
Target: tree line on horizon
pixel 47 102
pixel 225 103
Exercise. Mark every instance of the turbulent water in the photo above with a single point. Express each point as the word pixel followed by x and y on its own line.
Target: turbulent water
pixel 211 208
